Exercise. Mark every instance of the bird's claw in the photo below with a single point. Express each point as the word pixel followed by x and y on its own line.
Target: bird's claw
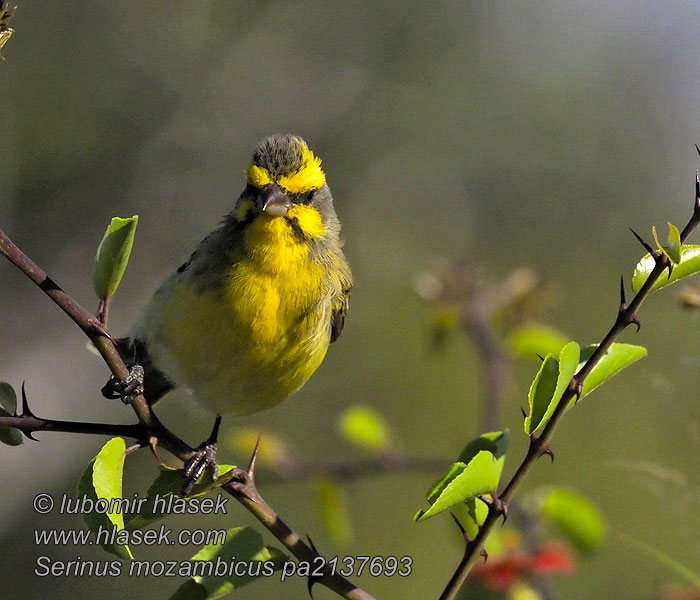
pixel 204 458
pixel 125 389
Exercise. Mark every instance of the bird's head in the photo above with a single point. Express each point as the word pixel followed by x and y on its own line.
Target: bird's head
pixel 286 185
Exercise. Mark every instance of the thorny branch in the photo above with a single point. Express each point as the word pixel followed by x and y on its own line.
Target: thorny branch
pixel 540 445
pixel 149 429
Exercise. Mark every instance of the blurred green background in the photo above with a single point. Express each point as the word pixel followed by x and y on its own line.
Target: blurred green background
pixel 502 134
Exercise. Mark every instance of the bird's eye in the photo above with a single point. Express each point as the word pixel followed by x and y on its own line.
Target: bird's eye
pixel 310 194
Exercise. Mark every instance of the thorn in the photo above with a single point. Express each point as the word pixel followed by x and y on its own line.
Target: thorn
pixel 253 458
pixel 26 412
pixel 98 328
pixel 622 315
pixel 522 410
pixel 547 449
pixel 540 356
pixel 647 247
pixel 240 486
pixel 153 445
pixel 503 508
pixel 670 268
pixel 634 319
pixel 312 579
pixel 623 301
pixel 622 311
pixel 313 546
pixel 485 554
pixel 698 149
pixel 578 388
pixel 495 503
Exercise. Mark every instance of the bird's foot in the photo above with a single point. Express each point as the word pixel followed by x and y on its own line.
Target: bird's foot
pixel 204 458
pixel 125 389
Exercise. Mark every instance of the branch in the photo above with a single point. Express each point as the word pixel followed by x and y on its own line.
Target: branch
pixel 351 471
pixel 29 423
pixel 90 325
pixel 242 487
pixel 495 362
pixel 627 315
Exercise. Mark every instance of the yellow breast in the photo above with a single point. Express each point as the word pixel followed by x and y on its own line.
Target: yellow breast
pixel 253 339
pixel 276 287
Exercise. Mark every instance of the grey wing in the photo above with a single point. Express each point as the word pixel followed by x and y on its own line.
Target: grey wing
pixel 340 309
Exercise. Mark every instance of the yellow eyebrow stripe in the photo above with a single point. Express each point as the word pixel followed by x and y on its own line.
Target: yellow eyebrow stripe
pixel 309 177
pixel 257 176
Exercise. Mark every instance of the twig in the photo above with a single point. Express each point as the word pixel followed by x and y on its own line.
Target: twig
pixel 351 471
pixel 539 445
pixel 103 310
pixel 496 363
pixel 242 487
pixel 341 471
pixel 30 424
pixel 86 321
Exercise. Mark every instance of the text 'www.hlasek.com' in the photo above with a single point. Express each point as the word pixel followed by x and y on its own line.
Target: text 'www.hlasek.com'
pixel 111 534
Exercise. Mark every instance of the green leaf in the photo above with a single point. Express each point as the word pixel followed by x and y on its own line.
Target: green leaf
pixel 613 361
pixel 477 472
pixel 364 427
pixel 113 256
pixel 672 250
pixel 530 340
pixel 495 442
pixel 243 546
pixel 460 483
pixel 8 398
pixel 674 243
pixel 169 483
pixel 549 386
pixel 107 475
pixel 333 508
pixel 661 248
pixel 577 518
pixel 471 515
pixel 102 479
pixel 541 392
pixel 8 408
pixel 689 264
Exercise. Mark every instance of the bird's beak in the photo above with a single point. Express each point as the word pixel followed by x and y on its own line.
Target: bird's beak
pixel 273 201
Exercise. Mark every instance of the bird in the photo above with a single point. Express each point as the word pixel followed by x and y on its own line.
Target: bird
pixel 249 317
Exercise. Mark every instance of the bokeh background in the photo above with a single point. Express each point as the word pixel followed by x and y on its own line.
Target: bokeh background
pixel 503 134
